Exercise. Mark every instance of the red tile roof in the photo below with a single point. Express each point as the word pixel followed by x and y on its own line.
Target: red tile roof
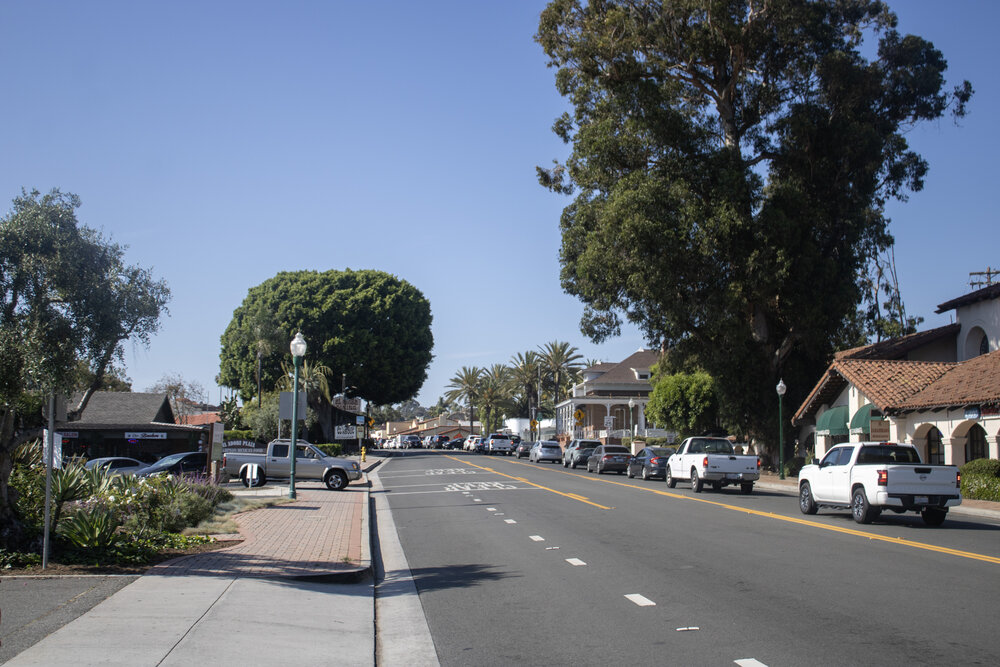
pixel 972 382
pixel 897 348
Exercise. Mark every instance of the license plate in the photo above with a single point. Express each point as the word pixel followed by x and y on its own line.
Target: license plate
pixel 920 500
pixel 732 476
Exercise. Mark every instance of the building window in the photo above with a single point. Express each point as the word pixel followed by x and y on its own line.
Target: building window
pixel 975 447
pixel 935 451
pixel 984 345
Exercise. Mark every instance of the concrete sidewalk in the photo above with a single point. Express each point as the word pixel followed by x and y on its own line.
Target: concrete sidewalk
pixel 298 589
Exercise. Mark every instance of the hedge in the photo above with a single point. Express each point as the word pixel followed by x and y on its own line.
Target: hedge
pixel 981 480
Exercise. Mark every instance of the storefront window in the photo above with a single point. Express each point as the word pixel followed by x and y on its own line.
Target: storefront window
pixel 975 447
pixel 935 451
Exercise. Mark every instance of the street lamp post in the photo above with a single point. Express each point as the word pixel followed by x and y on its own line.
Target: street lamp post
pixel 298 348
pixel 631 419
pixel 781 388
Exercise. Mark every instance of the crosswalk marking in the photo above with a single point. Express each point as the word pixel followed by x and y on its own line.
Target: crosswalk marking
pixel 640 600
pixel 575 561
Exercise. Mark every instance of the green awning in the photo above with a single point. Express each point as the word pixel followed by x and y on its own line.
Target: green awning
pixel 861 421
pixel 833 421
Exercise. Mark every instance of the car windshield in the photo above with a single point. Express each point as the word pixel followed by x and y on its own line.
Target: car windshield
pixel 585 452
pixel 888 454
pixel 613 449
pixel 549 446
pixel 166 462
pixel 661 451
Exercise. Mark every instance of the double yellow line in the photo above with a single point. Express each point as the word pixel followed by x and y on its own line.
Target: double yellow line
pixel 769 515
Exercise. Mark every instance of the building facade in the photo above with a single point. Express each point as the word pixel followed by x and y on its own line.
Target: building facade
pixel 938 389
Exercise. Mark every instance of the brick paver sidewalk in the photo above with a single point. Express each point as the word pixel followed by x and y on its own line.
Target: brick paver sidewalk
pixel 320 534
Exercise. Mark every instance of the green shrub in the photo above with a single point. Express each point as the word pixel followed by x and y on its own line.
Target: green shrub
pixel 987 467
pixel 980 487
pixel 28 486
pixel 89 529
pixel 331 448
pixel 793 467
pixel 235 434
pixel 9 559
pixel 210 491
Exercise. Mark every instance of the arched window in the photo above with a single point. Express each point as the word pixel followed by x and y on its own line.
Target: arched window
pixel 984 345
pixel 935 451
pixel 975 446
pixel 976 343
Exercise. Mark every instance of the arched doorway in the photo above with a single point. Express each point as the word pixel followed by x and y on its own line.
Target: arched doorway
pixel 975 446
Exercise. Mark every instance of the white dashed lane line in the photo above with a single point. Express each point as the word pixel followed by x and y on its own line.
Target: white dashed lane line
pixel 640 600
pixel 537 538
pixel 575 562
pixel 749 662
pixel 509 521
pixel 491 509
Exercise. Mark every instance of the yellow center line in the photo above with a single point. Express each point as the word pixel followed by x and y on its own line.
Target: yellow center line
pixel 770 515
pixel 574 496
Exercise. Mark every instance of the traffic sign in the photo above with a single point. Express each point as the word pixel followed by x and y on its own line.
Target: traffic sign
pixel 579 415
pixel 534 423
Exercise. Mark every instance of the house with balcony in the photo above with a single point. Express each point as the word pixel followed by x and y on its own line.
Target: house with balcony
pixel 938 390
pixel 609 403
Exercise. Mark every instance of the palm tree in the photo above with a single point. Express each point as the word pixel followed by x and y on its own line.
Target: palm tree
pixel 562 363
pixel 262 335
pixel 494 395
pixel 464 388
pixel 525 374
pixel 314 380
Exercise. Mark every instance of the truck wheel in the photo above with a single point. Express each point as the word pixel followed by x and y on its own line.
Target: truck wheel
pixel 933 516
pixel 671 481
pixel 806 502
pixel 335 480
pixel 696 483
pixel 860 508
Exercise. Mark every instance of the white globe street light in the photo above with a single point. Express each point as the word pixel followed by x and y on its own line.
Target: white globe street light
pixel 298 348
pixel 781 389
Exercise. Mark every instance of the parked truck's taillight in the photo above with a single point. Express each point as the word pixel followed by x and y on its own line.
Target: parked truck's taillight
pixel 958 480
pixel 704 462
pixel 883 477
pixel 758 462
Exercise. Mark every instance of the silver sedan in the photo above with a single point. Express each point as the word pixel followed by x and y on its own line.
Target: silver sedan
pixel 546 450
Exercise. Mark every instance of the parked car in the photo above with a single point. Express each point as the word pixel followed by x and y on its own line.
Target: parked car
pixel 470 443
pixel 116 465
pixel 523 449
pixel 546 450
pixel 498 443
pixel 608 458
pixel 310 463
pixel 439 441
pixel 410 442
pixel 579 457
pixel 457 443
pixel 187 463
pixel 650 462
pixel 575 445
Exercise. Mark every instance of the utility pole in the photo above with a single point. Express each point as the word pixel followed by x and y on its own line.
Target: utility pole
pixel 979 283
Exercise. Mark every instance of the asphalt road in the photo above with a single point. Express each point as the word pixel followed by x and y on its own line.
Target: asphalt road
pixel 33 607
pixel 535 564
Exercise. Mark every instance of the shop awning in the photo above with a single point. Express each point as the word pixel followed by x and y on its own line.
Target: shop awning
pixel 861 421
pixel 833 421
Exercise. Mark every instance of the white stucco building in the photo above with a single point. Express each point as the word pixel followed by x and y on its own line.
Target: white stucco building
pixel 937 389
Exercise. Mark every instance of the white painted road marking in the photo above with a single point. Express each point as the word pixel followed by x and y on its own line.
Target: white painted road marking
pixel 537 538
pixel 550 548
pixel 575 561
pixel 491 509
pixel 693 627
pixel 749 662
pixel 509 521
pixel 640 600
pixel 476 500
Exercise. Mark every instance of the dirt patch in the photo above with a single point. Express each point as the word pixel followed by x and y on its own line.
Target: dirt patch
pixel 56 569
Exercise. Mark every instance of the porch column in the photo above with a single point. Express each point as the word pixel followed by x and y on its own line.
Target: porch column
pixel 994 445
pixel 954 450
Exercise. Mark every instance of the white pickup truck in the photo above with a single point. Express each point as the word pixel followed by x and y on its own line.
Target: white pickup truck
pixel 868 477
pixel 310 463
pixel 498 443
pixel 712 460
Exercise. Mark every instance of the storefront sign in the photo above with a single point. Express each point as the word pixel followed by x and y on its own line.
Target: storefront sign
pixel 972 412
pixel 345 432
pixel 991 411
pixel 880 430
pixel 139 435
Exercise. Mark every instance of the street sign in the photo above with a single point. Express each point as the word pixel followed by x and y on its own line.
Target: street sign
pixel 579 415
pixel 534 423
pixel 609 422
pixel 345 432
pixel 285 405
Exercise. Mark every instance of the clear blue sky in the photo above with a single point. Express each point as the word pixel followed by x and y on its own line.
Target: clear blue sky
pixel 224 142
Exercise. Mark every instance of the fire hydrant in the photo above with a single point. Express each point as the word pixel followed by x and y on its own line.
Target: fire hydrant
pixel 363 452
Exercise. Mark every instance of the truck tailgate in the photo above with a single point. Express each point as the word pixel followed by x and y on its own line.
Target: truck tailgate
pixel 731 464
pixel 921 480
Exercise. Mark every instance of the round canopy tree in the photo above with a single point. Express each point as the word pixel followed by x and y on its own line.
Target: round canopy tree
pixel 370 325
